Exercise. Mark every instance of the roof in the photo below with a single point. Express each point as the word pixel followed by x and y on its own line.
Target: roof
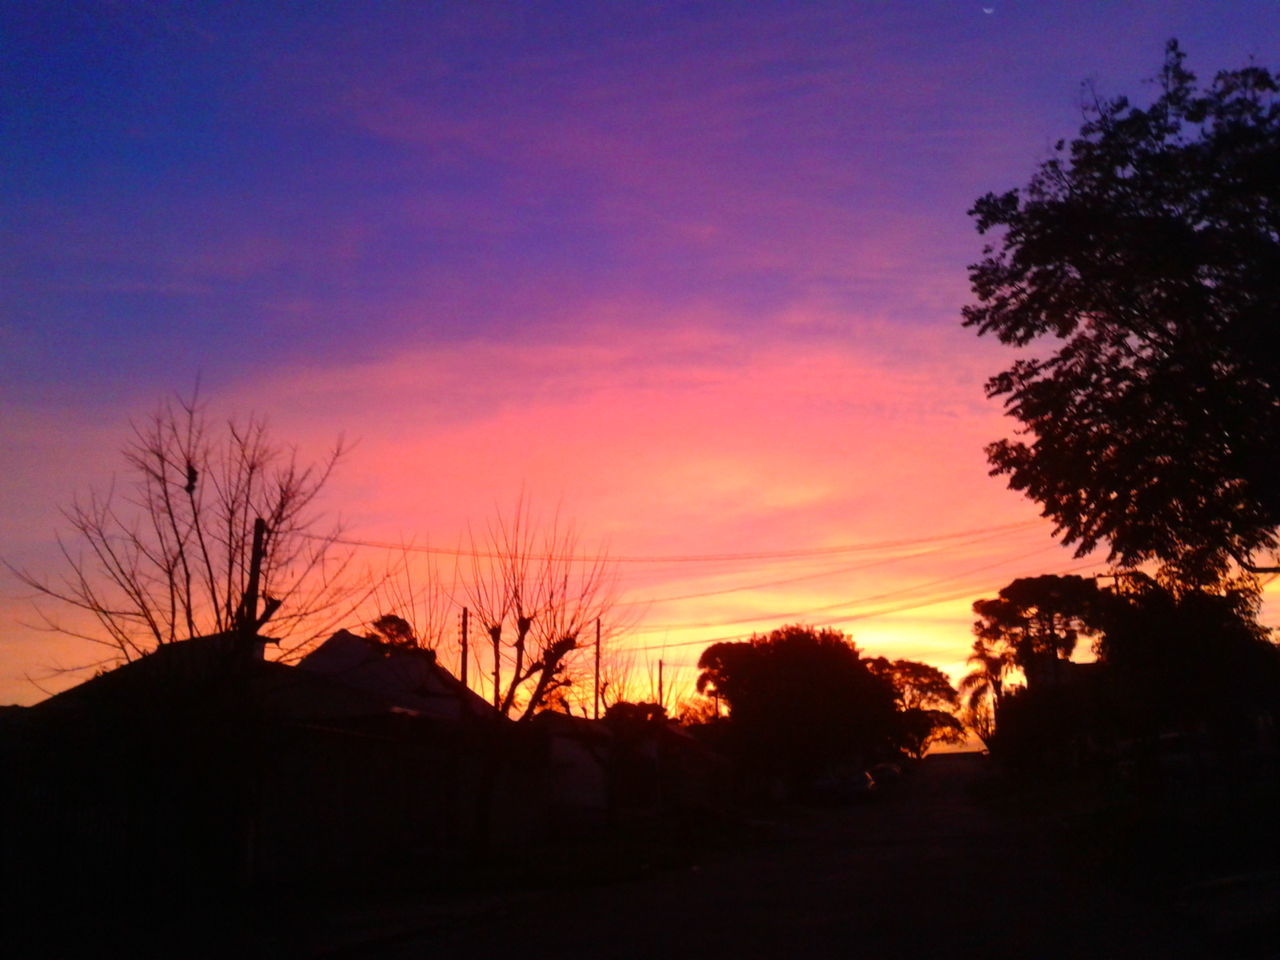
pixel 407 679
pixel 343 679
pixel 170 670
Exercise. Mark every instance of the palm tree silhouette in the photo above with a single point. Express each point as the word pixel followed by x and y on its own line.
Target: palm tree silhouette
pixel 985 682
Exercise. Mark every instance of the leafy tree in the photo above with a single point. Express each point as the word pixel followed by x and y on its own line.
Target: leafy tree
pixel 696 711
pixel 623 713
pixel 982 688
pixel 1148 248
pixel 799 700
pixel 1034 623
pixel 925 700
pixel 1183 658
pixel 919 729
pixel 395 631
pixel 166 555
pixel 915 685
pixel 1169 657
pixel 991 663
pixel 979 717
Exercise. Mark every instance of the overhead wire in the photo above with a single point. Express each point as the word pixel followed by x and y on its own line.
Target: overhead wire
pixel 864 615
pixel 845 603
pixel 682 558
pixel 829 572
pixel 937 543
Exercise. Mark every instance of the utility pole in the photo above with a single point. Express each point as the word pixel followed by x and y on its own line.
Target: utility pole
pixel 255 572
pixel 597 684
pixel 462 671
pixel 495 633
pixel 247 620
pixel 662 701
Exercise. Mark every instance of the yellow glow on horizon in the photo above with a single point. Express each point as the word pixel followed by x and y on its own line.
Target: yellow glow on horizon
pixel 753 471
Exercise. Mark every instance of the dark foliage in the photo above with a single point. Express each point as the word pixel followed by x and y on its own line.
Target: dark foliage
pixel 1149 249
pixel 1174 665
pixel 394 631
pixel 919 729
pixel 1036 729
pixel 1037 621
pixel 925 700
pixel 1187 660
pixel 800 700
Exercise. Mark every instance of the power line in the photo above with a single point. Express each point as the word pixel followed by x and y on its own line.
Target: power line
pixel 866 615
pixel 845 603
pixel 680 558
pixel 830 572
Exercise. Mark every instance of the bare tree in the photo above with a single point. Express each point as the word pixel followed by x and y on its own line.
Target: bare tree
pixel 168 555
pixel 666 682
pixel 537 598
pixel 618 680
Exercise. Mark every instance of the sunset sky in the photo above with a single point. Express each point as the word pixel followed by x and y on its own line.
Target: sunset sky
pixel 689 272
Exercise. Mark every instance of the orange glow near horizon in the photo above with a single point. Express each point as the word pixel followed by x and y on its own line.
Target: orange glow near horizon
pixel 826 485
pixel 821 484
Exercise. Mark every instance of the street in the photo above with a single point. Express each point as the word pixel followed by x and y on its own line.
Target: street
pixel 932 871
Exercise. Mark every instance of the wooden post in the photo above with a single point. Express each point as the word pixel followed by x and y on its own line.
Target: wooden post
pixel 495 633
pixel 597 684
pixel 247 614
pixel 462 672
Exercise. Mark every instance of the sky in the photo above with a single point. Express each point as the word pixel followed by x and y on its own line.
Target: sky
pixel 688 273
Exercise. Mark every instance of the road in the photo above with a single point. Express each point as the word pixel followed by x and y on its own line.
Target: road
pixel 935 871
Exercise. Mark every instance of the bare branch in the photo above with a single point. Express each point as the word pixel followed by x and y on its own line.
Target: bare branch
pixel 168 556
pixel 527 589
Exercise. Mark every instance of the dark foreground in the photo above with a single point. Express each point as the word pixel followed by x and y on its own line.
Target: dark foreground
pixel 955 862
pixel 947 867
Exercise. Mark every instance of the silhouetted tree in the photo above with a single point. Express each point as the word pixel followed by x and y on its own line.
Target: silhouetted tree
pixel 1035 622
pixel 799 700
pixel 982 688
pixel 919 729
pixel 915 685
pixel 984 684
pixel 1187 658
pixel 1170 658
pixel 696 711
pixel 536 599
pixel 1149 248
pixel 626 714
pixel 419 592
pixel 394 631
pixel 169 558
pixel 925 700
pixel 1031 626
pixel 979 717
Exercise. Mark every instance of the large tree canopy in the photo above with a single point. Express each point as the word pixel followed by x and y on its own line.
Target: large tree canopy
pixel 925 699
pixel 1033 624
pixel 799 699
pixel 1183 658
pixel 1149 249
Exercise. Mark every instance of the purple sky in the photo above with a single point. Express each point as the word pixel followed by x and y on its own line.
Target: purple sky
pixel 711 255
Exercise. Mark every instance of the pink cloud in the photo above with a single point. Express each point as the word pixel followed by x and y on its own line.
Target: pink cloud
pixel 689 441
pixel 677 439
